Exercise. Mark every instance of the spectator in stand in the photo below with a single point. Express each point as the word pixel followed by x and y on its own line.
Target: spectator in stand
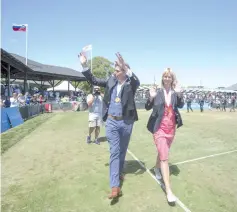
pixel 34 100
pixel 79 97
pixel 65 99
pixel 210 101
pixel 21 100
pixel 218 104
pixel 57 96
pixel 14 100
pixel 2 89
pixel 27 98
pixel 40 99
pixel 1 103
pixel 46 94
pixel 201 103
pixel 223 103
pixel 7 102
pixel 189 102
pixel 17 89
pixel 233 101
pixel 6 90
pixel 211 104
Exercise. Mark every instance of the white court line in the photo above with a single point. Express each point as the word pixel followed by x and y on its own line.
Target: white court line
pixel 201 158
pixel 161 184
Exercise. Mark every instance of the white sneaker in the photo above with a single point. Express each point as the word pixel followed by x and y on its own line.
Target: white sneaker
pixel 171 197
pixel 157 173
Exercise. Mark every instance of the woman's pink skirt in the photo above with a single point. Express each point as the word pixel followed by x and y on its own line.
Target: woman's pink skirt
pixel 163 141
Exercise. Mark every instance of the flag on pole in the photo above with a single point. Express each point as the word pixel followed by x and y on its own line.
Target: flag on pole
pixel 20 27
pixel 87 48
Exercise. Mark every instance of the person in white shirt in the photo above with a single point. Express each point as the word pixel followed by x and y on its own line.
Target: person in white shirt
pixel 95 105
pixel 21 99
pixel 14 100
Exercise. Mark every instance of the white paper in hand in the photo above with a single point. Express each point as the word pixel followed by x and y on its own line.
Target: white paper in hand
pixel 178 88
pixel 87 51
pixel 152 92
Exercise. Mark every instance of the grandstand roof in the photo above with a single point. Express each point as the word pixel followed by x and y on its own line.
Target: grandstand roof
pixel 36 70
pixel 36 66
pixel 233 87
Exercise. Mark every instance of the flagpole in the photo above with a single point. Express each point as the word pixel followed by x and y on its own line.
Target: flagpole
pixel 91 59
pixel 26 43
pixel 91 70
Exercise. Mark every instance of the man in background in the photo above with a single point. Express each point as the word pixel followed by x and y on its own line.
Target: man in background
pixel 201 103
pixel 223 103
pixel 189 103
pixel 95 104
pixel 233 101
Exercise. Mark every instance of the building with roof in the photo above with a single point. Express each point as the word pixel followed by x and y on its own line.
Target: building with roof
pixel 13 68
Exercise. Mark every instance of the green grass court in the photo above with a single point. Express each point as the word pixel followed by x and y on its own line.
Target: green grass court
pixel 52 169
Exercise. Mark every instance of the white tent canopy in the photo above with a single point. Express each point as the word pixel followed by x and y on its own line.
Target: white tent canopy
pixel 63 87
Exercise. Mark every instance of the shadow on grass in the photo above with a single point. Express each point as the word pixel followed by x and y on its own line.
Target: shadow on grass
pixel 102 139
pixel 174 170
pixel 116 200
pixel 130 167
pixel 133 167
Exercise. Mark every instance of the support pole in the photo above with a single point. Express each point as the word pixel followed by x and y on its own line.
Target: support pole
pixel 8 79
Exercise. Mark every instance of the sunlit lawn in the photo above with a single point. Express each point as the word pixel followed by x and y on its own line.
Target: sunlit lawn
pixel 52 168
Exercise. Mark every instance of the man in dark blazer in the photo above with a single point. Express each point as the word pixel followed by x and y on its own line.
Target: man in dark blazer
pixel 119 112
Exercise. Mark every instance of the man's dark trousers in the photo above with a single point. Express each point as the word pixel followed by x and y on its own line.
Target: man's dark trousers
pixel 118 135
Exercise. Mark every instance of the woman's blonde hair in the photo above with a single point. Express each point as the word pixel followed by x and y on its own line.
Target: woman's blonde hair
pixel 168 71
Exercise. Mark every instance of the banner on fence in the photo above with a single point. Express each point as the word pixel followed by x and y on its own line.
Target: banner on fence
pixel 5 123
pixel 14 116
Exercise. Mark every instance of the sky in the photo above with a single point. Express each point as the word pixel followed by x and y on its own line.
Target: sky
pixel 197 39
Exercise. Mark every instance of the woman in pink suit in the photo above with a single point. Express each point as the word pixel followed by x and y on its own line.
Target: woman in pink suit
pixel 162 124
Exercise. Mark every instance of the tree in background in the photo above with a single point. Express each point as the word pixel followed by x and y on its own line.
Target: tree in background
pixel 101 68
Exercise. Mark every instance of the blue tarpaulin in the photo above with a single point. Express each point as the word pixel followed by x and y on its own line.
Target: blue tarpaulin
pixel 5 122
pixel 10 117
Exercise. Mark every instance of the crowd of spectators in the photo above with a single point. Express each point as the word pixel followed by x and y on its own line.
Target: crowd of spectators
pixel 34 96
pixel 213 99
